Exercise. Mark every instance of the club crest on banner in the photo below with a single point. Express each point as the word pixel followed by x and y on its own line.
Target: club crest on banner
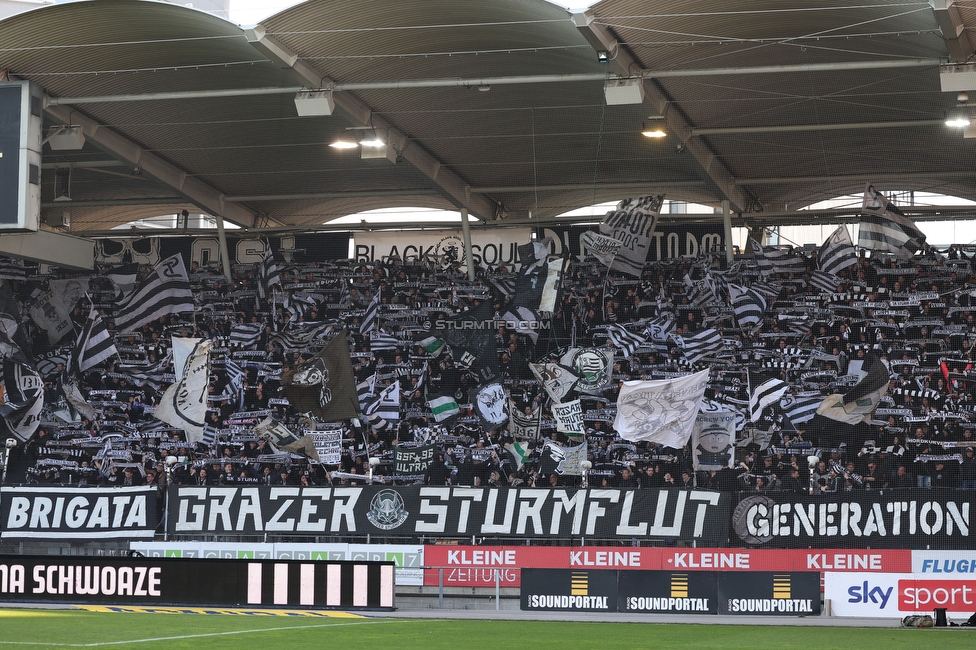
pixel 387 510
pixel 592 365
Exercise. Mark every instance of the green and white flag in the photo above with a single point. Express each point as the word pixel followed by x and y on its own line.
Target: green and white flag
pixel 433 345
pixel 444 407
pixel 519 451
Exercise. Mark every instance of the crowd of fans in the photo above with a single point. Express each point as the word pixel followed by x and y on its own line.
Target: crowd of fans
pixel 918 316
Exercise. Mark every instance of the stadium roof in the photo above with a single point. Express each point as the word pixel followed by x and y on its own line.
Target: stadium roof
pixel 496 105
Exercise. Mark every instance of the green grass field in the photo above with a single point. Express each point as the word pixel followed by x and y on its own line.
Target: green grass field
pixel 23 628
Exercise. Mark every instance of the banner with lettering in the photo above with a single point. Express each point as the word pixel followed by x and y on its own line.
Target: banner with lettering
pixel 53 512
pixel 428 511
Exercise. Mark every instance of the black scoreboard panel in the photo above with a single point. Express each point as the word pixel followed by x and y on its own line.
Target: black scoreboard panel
pixel 197 582
pixel 10 134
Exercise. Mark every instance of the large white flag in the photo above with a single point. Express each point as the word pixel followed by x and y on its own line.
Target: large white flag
pixel 661 411
pixel 184 404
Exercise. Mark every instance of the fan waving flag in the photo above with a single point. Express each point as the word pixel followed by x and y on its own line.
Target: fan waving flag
pixel 857 404
pixel 763 392
pixel 748 305
pixel 94 345
pixel 627 342
pixel 837 253
pixel 165 291
pixel 705 343
pixel 371 318
pixel 270 275
pixel 660 411
pixel 884 227
pixel 633 222
pixel 325 385
pixel 773 260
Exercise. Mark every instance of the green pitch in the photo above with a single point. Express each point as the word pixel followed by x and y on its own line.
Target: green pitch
pixel 81 629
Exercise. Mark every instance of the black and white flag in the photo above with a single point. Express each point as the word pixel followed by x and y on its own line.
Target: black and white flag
pixel 246 334
pixel 800 409
pixel 837 253
pixel 826 282
pixel 883 227
pixel 627 342
pixel 165 291
pixel 704 344
pixel 269 274
pixel 764 392
pixel 371 318
pixel 94 345
pixel 748 305
pixel 774 261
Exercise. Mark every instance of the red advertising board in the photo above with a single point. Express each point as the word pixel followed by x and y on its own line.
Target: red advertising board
pixel 477 566
pixel 957 596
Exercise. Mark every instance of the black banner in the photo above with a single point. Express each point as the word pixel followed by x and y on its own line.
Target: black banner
pixel 413 460
pixel 778 594
pixel 672 592
pixel 229 583
pixel 667 592
pixel 242 249
pixel 575 591
pixel 930 518
pixel 54 512
pixel 416 511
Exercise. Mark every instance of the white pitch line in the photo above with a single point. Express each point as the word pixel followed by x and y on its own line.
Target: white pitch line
pixel 188 636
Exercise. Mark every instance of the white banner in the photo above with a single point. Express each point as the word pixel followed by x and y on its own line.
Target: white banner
pixel 895 595
pixel 489 248
pixel 184 404
pixel 328 444
pixel 569 418
pixel 944 563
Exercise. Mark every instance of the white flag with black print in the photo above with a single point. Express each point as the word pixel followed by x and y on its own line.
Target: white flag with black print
pixel 184 404
pixel 660 411
pixel 557 379
pixel 633 223
pixel 603 248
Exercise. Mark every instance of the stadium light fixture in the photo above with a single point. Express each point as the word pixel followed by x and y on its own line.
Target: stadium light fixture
pixel 957 121
pixel 653 131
